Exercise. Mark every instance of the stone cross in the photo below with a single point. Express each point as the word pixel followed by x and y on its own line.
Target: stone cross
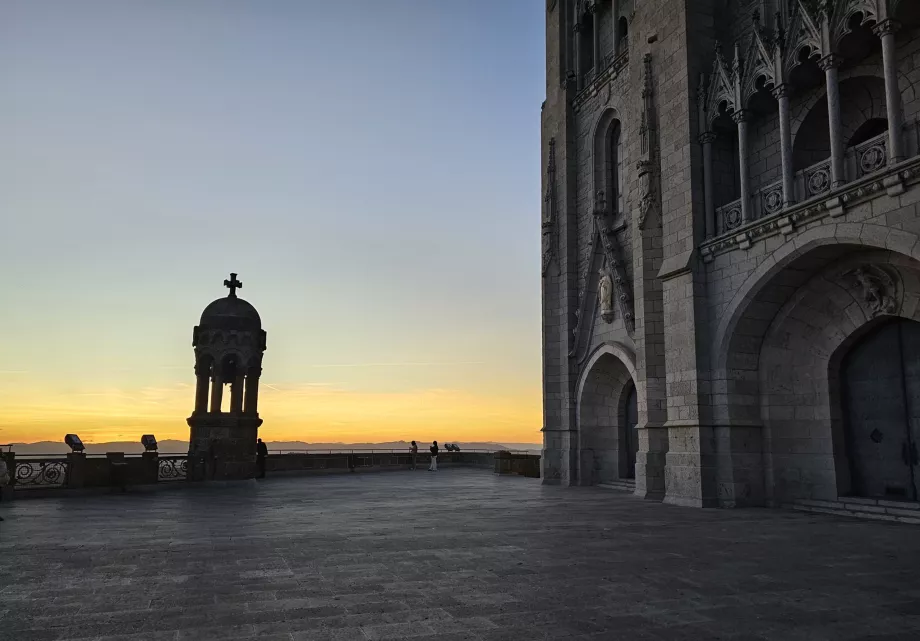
pixel 233 284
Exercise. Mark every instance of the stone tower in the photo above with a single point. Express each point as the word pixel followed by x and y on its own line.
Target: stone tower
pixel 730 225
pixel 229 342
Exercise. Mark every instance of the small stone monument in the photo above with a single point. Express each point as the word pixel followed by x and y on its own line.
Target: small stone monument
pixel 229 342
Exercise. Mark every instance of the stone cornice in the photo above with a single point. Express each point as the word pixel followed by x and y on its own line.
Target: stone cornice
pixel 601 80
pixel 790 222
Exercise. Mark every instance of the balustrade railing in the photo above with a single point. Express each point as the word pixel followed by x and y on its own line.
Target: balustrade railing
pixel 172 468
pixel 860 160
pixel 34 473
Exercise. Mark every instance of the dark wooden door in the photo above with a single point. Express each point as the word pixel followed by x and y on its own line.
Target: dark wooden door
pixel 881 385
pixel 630 437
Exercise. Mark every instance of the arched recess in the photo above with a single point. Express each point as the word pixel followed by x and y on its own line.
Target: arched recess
pixel 609 159
pixel 778 353
pixel 862 99
pixel 606 389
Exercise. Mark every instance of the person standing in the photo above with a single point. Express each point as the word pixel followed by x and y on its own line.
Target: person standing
pixel 261 453
pixel 4 477
pixel 414 451
pixel 434 457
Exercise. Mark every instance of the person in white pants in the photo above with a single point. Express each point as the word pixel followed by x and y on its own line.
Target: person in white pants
pixel 434 457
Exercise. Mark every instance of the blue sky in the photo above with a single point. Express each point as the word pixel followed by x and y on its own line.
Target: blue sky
pixel 370 169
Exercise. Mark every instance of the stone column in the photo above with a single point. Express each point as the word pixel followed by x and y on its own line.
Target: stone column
pixel 614 14
pixel 579 72
pixel 596 35
pixel 886 30
pixel 217 392
pixel 741 118
pixel 236 395
pixel 830 64
pixel 782 94
pixel 203 377
pixel 706 139
pixel 252 393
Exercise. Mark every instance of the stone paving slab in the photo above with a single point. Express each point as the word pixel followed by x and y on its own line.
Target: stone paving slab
pixel 448 556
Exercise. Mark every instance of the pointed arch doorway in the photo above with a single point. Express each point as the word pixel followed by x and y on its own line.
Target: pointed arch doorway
pixel 881 402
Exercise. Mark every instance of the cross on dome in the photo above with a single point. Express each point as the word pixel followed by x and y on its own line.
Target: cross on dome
pixel 233 284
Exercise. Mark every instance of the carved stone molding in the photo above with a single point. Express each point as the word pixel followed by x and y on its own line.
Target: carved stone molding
pixel 549 209
pixel 791 221
pixel 614 263
pixel 647 166
pixel 878 288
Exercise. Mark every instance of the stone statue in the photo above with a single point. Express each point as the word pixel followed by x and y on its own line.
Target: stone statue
pixel 605 293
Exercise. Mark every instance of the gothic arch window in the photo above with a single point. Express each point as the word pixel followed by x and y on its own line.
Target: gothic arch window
pixel 623 32
pixel 614 170
pixel 586 41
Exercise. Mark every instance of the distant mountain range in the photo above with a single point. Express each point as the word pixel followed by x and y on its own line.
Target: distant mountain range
pixel 180 447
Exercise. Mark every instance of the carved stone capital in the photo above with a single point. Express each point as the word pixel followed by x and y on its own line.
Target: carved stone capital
pixel 830 61
pixel 886 27
pixel 708 137
pixel 742 115
pixel 782 91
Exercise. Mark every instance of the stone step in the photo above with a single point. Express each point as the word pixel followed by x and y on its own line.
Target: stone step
pixel 874 509
pixel 623 485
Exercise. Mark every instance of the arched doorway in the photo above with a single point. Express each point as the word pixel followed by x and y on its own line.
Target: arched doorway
pixel 881 397
pixel 629 438
pixel 607 417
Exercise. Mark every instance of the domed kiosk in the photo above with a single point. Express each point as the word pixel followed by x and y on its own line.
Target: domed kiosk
pixel 229 342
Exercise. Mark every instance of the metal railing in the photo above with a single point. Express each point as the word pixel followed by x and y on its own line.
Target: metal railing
pixel 40 473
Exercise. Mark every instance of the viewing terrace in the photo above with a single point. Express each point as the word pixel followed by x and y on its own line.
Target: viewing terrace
pixel 455 555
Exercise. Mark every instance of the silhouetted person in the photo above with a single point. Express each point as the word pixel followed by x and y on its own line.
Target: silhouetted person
pixel 414 451
pixel 4 478
pixel 261 453
pixel 434 457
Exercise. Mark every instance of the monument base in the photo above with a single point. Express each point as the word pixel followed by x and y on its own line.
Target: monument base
pixel 222 447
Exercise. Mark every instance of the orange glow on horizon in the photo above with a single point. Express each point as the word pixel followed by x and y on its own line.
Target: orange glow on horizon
pixel 310 413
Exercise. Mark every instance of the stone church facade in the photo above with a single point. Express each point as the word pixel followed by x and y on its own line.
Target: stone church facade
pixel 731 249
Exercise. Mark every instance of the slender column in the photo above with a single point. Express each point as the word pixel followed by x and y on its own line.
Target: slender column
pixel 201 392
pixel 236 395
pixel 579 72
pixel 782 94
pixel 596 22
pixel 830 64
pixel 252 393
pixel 706 139
pixel 217 392
pixel 886 30
pixel 741 118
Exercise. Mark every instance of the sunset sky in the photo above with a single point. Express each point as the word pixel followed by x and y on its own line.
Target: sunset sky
pixel 370 169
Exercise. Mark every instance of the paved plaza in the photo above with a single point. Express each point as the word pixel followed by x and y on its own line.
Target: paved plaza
pixel 460 554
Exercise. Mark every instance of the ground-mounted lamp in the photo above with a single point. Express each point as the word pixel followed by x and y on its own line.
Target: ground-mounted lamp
pixel 149 441
pixel 74 443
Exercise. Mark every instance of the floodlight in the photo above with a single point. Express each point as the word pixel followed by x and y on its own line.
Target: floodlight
pixel 149 441
pixel 74 443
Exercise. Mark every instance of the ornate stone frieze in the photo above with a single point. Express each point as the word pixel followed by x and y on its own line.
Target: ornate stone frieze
pixel 878 288
pixel 549 209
